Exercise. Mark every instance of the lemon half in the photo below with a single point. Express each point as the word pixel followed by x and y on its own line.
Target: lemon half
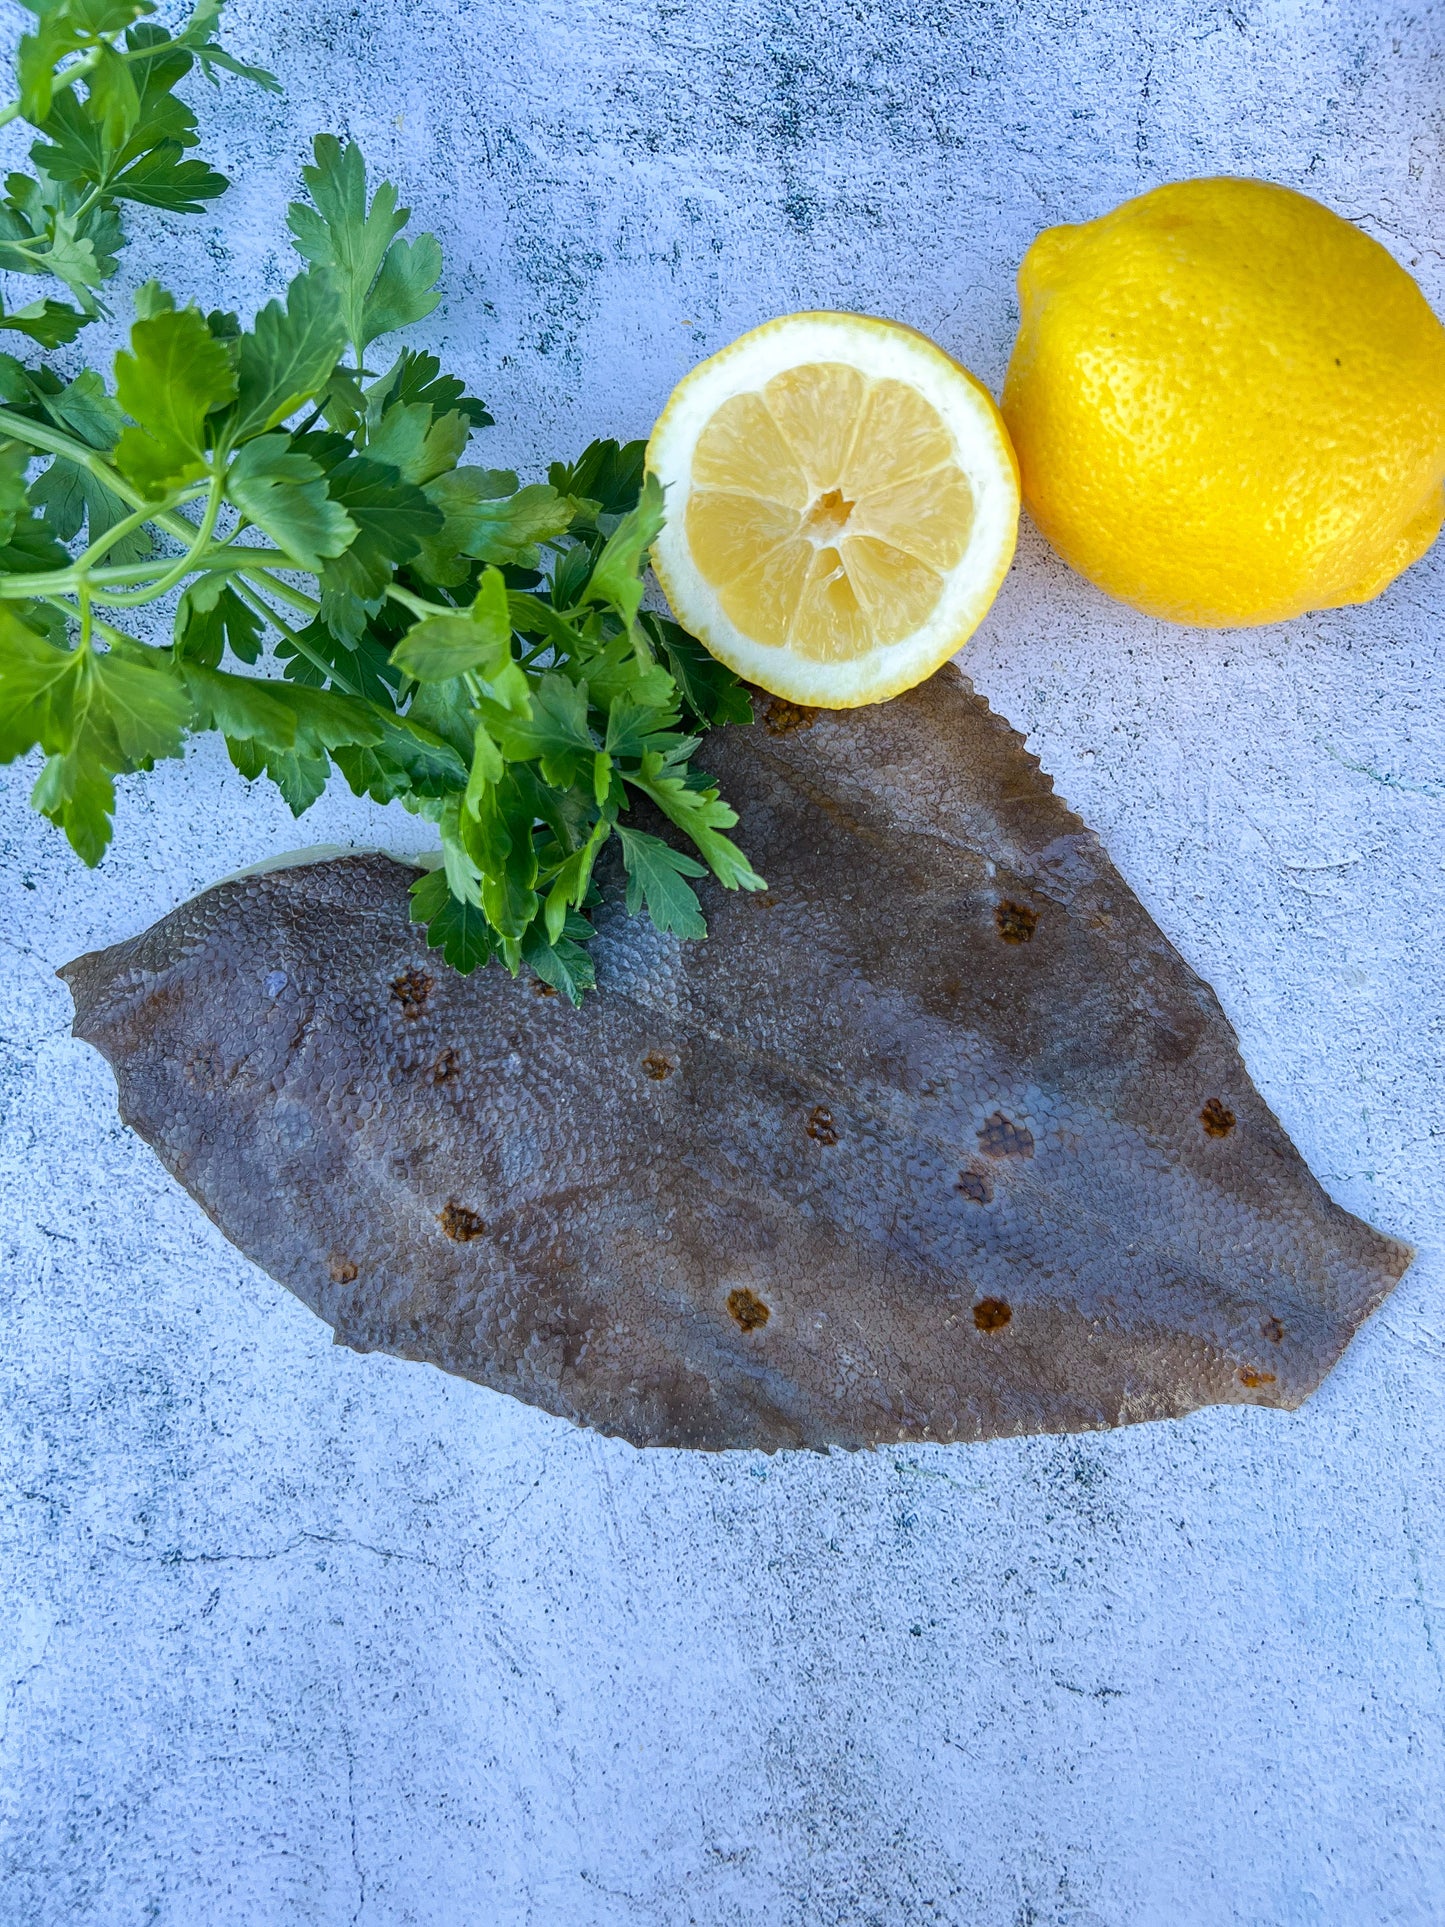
pixel 842 505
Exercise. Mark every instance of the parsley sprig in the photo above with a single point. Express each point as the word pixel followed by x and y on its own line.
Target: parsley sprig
pixel 344 589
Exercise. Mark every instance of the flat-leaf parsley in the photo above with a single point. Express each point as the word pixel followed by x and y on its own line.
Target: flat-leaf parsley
pixel 472 647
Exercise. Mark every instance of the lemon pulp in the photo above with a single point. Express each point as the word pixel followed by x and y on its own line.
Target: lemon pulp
pixel 827 509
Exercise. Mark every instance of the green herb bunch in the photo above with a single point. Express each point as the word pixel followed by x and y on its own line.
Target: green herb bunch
pixel 346 590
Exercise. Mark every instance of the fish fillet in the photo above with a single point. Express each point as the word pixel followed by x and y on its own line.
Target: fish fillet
pixel 937 1139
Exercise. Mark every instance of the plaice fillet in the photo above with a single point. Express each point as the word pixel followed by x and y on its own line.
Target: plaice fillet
pixel 937 1139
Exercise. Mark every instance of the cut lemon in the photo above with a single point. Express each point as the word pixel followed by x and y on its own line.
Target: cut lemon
pixel 842 503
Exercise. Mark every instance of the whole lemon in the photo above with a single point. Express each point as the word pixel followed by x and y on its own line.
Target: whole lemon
pixel 1228 404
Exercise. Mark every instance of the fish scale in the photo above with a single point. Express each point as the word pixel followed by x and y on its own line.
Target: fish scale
pixel 926 1141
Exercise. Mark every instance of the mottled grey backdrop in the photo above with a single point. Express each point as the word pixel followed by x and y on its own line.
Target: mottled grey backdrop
pixel 291 1636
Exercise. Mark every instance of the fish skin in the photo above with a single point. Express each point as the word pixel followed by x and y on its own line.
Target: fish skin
pixel 928 1141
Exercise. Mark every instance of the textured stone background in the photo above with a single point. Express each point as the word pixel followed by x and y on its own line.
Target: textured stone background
pixel 291 1636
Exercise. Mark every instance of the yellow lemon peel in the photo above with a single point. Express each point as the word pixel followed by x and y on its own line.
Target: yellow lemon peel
pixel 1228 404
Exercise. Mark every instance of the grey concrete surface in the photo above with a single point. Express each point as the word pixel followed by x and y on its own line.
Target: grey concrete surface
pixel 292 1636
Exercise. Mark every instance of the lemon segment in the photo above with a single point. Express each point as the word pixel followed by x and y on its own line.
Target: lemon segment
pixel 842 506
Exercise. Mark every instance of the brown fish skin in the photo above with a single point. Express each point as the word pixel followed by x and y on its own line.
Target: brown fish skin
pixel 936 1139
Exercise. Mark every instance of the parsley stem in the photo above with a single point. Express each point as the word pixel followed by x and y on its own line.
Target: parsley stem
pixel 53 441
pixel 127 526
pixel 43 257
pixel 183 564
pixel 303 604
pixel 226 557
pixel 418 605
pixel 78 69
pixel 218 561
pixel 297 641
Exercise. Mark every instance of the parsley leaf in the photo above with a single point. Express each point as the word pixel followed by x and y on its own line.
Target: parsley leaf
pixel 50 323
pixel 440 648
pixel 607 473
pixel 197 37
pixel 655 877
pixel 280 715
pixel 556 733
pixel 391 518
pixel 65 27
pixel 95 716
pixel 32 547
pixel 211 618
pixel 84 407
pixel 384 283
pixel 300 778
pixel 281 729
pixel 409 760
pixel 42 231
pixel 69 494
pixel 174 374
pixel 457 928
pixel 488 518
pixel 417 376
pixel 364 667
pixel 128 137
pixel 565 965
pixel 616 579
pixel 497 837
pixel 710 690
pixel 285 494
pixel 14 460
pixel 243 708
pixel 288 354
pixel 701 815
pixel 418 444
pixel 37 690
pixel 71 498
